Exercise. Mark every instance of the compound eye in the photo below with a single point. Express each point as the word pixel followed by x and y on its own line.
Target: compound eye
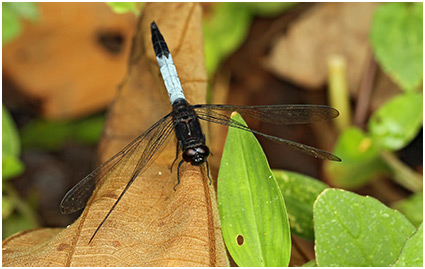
pixel 203 150
pixel 188 154
pixel 201 155
pixel 196 156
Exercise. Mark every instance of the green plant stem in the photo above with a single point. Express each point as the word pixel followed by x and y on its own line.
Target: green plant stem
pixel 403 174
pixel 339 96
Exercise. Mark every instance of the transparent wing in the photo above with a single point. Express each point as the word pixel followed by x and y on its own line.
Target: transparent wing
pixel 153 146
pixel 207 114
pixel 279 114
pixel 142 148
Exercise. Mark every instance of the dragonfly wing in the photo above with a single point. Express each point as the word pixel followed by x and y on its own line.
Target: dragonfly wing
pixel 76 198
pixel 153 145
pixel 210 115
pixel 279 114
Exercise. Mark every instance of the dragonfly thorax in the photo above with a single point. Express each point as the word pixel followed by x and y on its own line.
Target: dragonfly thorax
pixel 197 155
pixel 189 133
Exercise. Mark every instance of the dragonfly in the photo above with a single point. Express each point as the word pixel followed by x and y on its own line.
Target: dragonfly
pixel 184 119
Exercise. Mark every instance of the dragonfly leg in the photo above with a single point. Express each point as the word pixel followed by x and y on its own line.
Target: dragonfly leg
pixel 178 174
pixel 177 156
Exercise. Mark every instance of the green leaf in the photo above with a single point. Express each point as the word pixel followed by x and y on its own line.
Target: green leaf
pixel 361 162
pixel 11 26
pixel 398 121
pixel 11 167
pixel 11 148
pixel 352 230
pixel 45 134
pixel 88 130
pixel 412 252
pixel 412 208
pixel 12 13
pixel 299 192
pixel 396 37
pixel 252 210
pixel 125 7
pixel 53 134
pixel 221 40
pixel 25 10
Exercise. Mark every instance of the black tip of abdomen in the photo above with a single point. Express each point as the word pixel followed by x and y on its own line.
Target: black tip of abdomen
pixel 158 42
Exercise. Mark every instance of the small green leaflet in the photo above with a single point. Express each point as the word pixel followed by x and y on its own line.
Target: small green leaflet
pixel 398 121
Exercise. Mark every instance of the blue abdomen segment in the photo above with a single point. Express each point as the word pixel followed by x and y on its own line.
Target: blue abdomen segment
pixel 166 65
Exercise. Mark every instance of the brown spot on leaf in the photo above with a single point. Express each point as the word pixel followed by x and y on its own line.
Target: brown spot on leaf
pixel 240 239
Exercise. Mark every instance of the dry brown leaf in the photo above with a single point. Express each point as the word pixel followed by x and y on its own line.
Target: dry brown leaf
pixel 60 61
pixel 324 30
pixel 152 225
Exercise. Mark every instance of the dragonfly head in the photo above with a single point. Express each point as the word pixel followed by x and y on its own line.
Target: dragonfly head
pixel 197 155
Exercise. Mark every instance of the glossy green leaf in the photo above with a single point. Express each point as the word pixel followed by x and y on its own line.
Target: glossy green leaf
pixel 252 210
pixel 412 253
pixel 412 208
pixel 11 148
pixel 396 37
pixel 299 192
pixel 352 230
pixel 361 162
pixel 398 121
